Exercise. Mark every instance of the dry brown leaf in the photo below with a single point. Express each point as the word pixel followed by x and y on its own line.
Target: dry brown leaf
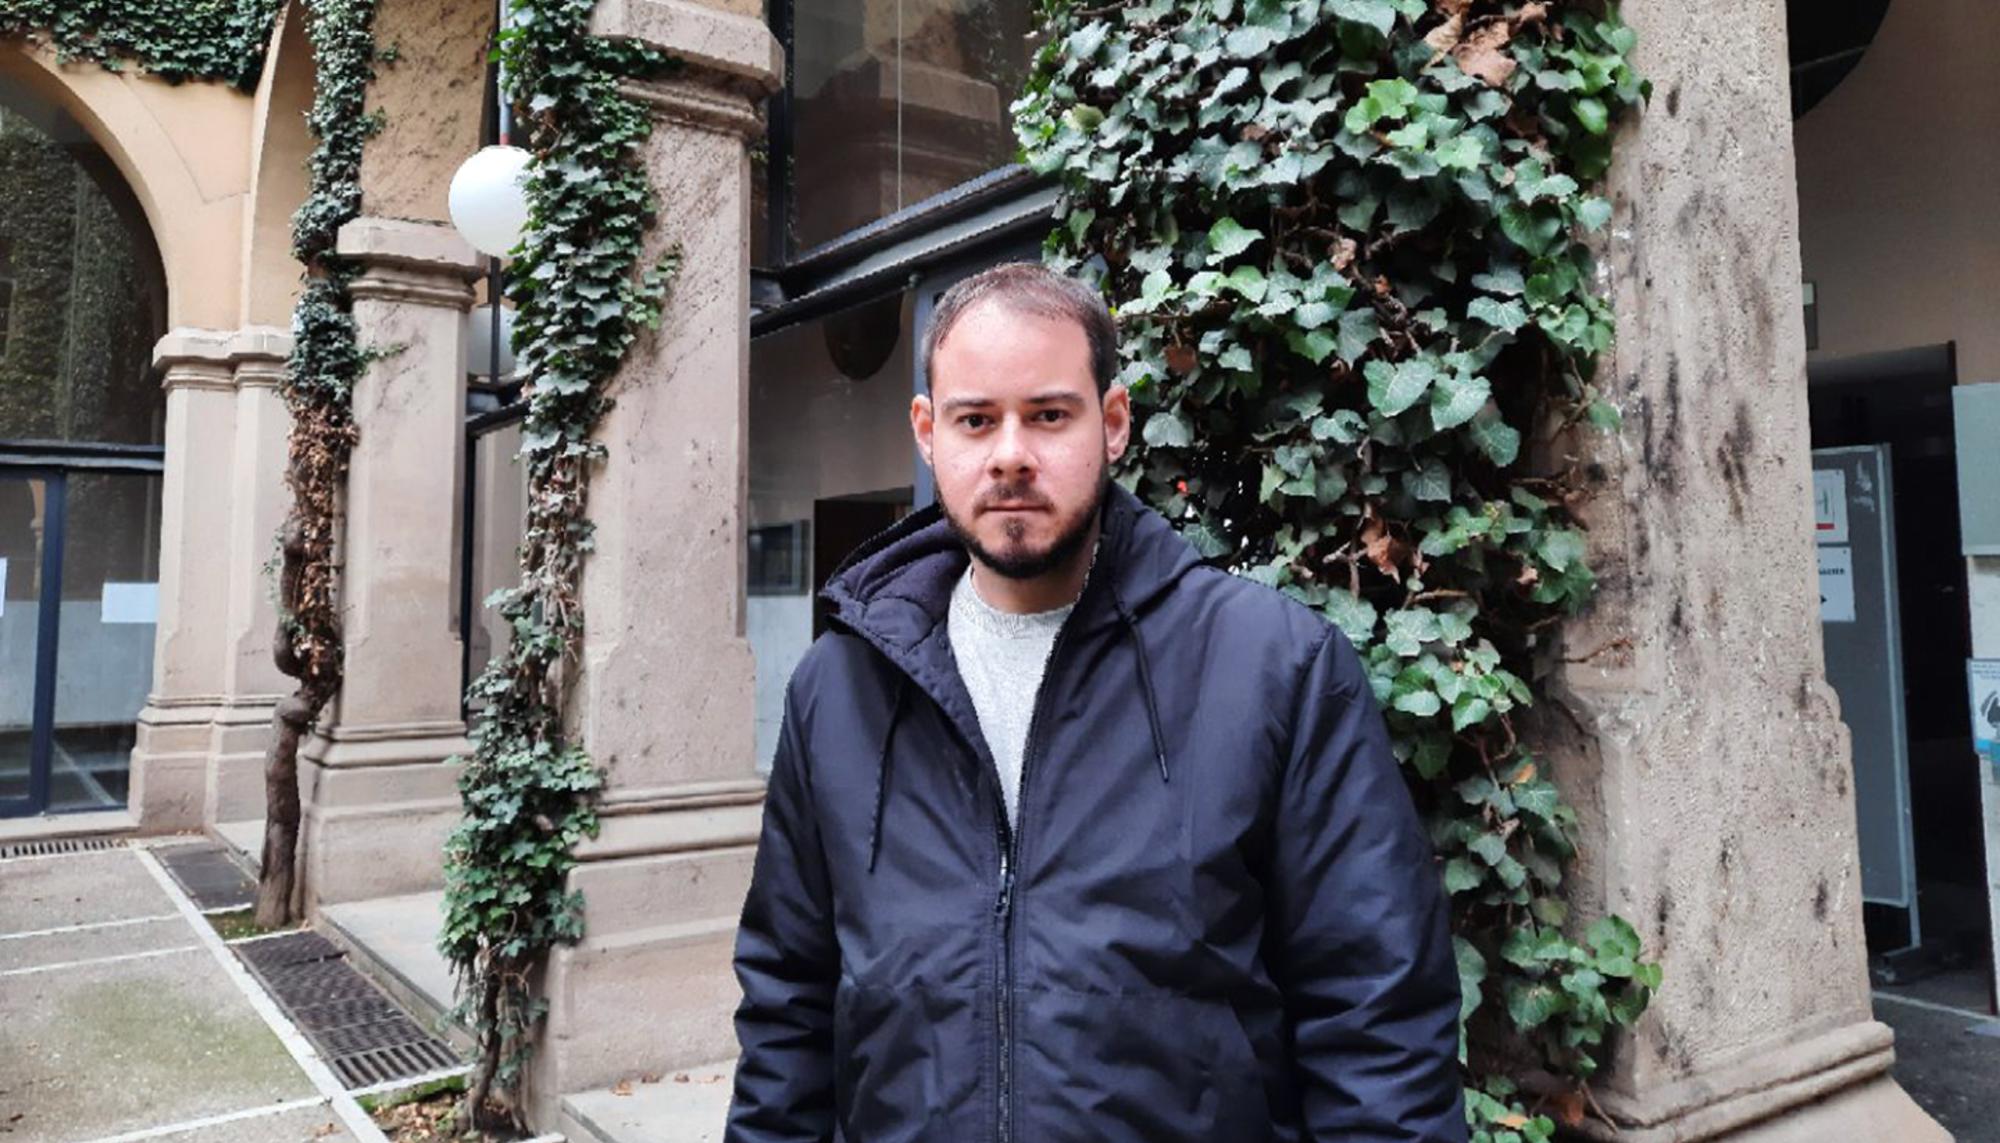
pixel 622 1087
pixel 1180 359
pixel 1383 550
pixel 1569 1107
pixel 650 1077
pixel 1344 253
pixel 1483 54
pixel 1445 36
pixel 1527 774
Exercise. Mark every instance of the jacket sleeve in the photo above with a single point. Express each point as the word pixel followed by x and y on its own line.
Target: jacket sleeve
pixel 1358 936
pixel 788 963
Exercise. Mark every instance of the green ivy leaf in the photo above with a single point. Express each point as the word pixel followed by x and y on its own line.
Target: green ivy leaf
pixel 1228 238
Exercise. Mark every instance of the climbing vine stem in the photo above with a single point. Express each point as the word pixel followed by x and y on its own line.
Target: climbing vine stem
pixel 1347 242
pixel 583 289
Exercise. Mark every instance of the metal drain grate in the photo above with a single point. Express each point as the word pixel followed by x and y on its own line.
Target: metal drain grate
pixel 366 1038
pixel 406 1061
pixel 59 846
pixel 211 876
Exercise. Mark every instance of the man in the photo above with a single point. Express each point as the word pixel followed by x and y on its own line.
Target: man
pixel 1069 836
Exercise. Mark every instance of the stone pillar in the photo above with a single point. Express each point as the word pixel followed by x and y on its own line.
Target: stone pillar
pixel 1693 725
pixel 170 757
pixel 664 701
pixel 377 778
pixel 258 499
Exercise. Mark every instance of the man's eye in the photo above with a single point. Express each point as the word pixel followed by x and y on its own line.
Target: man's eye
pixel 1053 416
pixel 973 420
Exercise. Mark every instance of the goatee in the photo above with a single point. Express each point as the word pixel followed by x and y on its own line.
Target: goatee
pixel 1018 563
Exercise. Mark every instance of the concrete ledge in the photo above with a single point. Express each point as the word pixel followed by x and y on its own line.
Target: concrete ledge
pixel 58 827
pixel 735 47
pixel 680 1107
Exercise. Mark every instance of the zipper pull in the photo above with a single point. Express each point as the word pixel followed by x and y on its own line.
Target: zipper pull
pixel 1006 899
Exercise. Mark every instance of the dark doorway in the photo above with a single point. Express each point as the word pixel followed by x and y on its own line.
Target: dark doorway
pixel 842 524
pixel 1903 399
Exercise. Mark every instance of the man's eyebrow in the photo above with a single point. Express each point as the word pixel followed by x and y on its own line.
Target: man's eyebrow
pixel 1053 397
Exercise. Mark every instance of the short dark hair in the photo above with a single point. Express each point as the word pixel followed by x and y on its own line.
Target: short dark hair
pixel 1031 288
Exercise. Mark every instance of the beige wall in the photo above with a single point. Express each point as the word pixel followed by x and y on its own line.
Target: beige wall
pixel 1899 190
pixel 432 93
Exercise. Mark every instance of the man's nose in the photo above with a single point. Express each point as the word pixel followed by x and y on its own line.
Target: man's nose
pixel 1011 454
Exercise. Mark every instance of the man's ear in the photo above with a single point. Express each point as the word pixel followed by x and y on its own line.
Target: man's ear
pixel 1117 422
pixel 922 422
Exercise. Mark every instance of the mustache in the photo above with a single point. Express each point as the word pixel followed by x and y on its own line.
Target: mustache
pixel 1019 494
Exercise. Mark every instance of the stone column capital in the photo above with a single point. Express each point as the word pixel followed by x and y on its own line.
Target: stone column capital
pixel 730 62
pixel 421 263
pixel 260 354
pixel 194 359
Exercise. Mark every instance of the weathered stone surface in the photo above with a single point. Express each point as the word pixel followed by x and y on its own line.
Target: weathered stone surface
pixel 432 95
pixel 1694 727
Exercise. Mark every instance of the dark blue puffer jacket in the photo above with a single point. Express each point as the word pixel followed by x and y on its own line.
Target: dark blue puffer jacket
pixel 1219 919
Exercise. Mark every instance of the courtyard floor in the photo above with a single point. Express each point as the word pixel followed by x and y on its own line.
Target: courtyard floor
pixel 124 1017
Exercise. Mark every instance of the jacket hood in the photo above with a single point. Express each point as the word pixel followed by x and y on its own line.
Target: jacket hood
pixel 897 587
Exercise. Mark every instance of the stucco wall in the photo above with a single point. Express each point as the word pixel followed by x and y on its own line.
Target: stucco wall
pixel 1898 177
pixel 432 94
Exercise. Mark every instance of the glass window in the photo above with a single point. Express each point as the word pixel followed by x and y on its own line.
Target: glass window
pixel 81 297
pixel 895 101
pixel 104 664
pixel 831 464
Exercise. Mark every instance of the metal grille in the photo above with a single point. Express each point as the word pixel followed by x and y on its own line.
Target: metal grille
pixel 59 845
pixel 365 1037
pixel 404 1061
pixel 210 875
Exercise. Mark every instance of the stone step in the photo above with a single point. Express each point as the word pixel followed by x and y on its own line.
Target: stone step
pixel 687 1106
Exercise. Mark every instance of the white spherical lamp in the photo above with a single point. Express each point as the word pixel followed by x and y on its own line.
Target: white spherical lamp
pixel 489 199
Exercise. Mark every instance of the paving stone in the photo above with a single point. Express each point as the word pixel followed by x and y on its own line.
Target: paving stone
pixel 92 944
pixel 48 892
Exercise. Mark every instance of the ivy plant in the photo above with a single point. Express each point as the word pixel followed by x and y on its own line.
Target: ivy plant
pixel 1348 244
pixel 218 40
pixel 583 289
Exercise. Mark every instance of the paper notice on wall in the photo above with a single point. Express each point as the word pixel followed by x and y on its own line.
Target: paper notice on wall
pixel 1830 506
pixel 1836 585
pixel 131 603
pixel 1984 677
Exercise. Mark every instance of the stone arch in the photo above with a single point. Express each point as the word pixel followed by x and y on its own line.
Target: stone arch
pixel 280 144
pixel 182 150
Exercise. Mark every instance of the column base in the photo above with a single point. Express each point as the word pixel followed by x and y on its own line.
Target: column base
pixel 378 804
pixel 663 891
pixel 1833 1086
pixel 174 740
pixel 240 739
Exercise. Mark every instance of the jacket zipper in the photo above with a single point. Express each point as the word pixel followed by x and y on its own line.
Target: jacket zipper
pixel 1010 854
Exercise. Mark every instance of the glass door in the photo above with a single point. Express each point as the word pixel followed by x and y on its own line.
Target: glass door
pixel 30 540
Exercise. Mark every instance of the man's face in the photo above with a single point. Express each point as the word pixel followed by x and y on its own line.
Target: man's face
pixel 1017 437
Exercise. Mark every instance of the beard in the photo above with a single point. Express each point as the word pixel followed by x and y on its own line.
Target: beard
pixel 1017 561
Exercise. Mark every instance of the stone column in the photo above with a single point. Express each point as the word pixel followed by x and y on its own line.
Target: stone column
pixel 258 499
pixel 1693 725
pixel 170 758
pixel 665 697
pixel 378 781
